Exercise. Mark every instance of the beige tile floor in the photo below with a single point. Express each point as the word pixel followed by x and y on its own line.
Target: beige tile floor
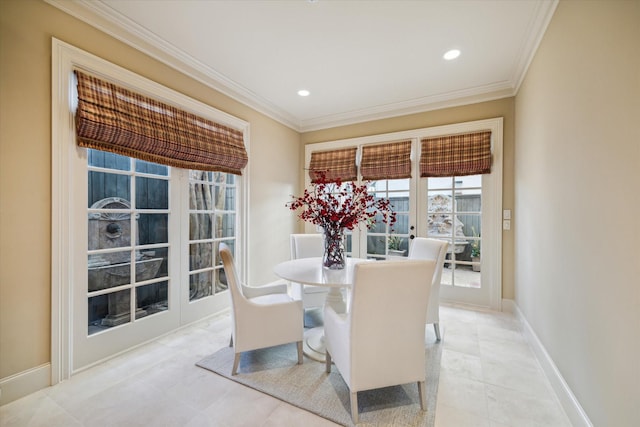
pixel 489 378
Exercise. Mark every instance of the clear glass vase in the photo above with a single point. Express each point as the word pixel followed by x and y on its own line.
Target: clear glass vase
pixel 333 258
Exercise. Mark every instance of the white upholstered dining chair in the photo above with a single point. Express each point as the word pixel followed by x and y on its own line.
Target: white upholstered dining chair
pixel 308 246
pixel 262 316
pixel 436 250
pixel 380 341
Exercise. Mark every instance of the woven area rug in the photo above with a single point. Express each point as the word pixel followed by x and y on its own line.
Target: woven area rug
pixel 275 371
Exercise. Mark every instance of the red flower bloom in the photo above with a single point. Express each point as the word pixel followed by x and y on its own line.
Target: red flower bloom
pixel 334 206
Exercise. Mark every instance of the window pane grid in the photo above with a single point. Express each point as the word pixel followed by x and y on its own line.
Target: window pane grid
pixel 454 214
pixel 126 172
pixel 128 247
pixel 150 281
pixel 205 269
pixel 384 241
pixel 212 219
pixel 109 290
pixel 109 250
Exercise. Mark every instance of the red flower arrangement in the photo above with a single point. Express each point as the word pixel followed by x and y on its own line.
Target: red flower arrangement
pixel 335 207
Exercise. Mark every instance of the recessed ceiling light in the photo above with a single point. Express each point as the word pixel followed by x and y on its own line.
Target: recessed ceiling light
pixel 451 54
pixel 303 92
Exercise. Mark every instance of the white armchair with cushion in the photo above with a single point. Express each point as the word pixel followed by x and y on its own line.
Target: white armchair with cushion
pixel 308 246
pixel 262 316
pixel 380 341
pixel 436 250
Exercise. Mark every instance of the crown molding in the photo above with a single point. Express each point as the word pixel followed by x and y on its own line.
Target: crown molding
pixel 418 105
pixel 105 19
pixel 538 27
pixel 102 17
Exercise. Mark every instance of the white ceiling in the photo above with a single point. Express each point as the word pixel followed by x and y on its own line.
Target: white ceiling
pixel 360 60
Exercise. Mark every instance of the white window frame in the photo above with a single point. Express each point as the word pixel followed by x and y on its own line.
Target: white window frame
pixel 66 58
pixel 491 276
pixel 200 307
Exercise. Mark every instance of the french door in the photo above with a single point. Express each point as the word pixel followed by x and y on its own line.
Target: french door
pixel 465 211
pixel 458 210
pixel 126 286
pixel 134 244
pixel 213 217
pixel 147 254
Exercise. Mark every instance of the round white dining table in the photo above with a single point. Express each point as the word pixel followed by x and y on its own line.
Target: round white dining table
pixel 309 271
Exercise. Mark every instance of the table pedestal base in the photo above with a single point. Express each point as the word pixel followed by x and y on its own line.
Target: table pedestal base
pixel 313 344
pixel 313 341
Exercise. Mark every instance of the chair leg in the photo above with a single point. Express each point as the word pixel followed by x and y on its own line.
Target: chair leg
pixel 236 362
pixel 299 344
pixel 327 362
pixel 436 327
pixel 422 392
pixel 354 406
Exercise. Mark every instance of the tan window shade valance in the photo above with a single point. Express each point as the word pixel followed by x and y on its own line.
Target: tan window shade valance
pixel 111 118
pixel 386 161
pixel 336 164
pixel 456 155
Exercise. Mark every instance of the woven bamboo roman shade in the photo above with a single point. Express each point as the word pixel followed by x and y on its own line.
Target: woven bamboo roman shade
pixel 336 164
pixel 111 118
pixel 456 155
pixel 386 161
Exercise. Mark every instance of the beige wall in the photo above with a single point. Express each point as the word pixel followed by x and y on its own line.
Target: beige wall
pixel 484 110
pixel 577 181
pixel 26 28
pixel 571 155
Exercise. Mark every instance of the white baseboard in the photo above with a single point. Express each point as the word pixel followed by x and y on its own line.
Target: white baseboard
pixel 24 383
pixel 567 399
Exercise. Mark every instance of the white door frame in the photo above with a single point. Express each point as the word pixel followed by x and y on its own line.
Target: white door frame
pixel 66 58
pixel 492 273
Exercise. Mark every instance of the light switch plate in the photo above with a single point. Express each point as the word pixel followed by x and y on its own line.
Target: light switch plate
pixel 506 214
pixel 506 224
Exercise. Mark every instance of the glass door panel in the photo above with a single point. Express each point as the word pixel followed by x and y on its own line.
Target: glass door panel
pixel 126 285
pixel 454 214
pixel 114 222
pixel 213 207
pixel 382 241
